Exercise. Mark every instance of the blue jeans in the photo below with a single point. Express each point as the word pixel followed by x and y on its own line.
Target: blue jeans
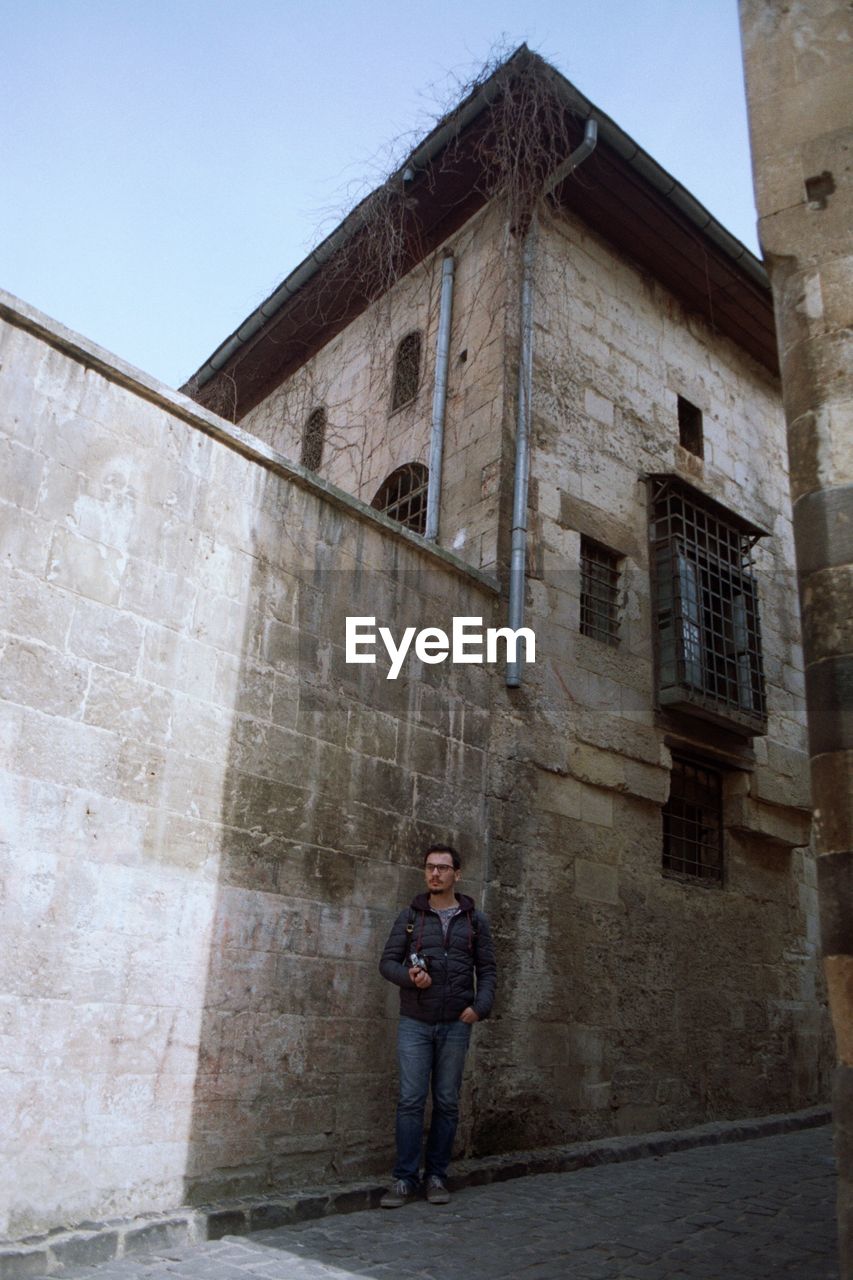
pixel 423 1050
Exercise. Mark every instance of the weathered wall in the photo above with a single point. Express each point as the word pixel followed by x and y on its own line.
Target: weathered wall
pixel 208 818
pixel 352 376
pixel 797 60
pixel 640 1001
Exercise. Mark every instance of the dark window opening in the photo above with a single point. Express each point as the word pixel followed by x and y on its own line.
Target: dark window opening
pixel 706 601
pixel 690 427
pixel 599 592
pixel 403 496
pixel 693 822
pixel 313 439
pixel 407 370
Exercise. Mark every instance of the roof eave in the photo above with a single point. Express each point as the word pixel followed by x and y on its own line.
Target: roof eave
pixel 452 125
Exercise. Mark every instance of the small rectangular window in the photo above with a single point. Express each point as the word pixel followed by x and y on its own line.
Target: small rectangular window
pixel 599 592
pixel 693 822
pixel 690 427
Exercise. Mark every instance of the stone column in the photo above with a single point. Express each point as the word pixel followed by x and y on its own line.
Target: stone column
pixel 798 58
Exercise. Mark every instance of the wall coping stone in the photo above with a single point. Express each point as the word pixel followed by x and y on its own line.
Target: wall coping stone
pixel 93 1243
pixel 22 316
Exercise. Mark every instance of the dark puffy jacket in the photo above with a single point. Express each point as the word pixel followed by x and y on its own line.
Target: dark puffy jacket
pixel 468 952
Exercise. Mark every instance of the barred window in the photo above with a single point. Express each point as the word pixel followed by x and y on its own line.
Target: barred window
pixel 599 592
pixel 706 605
pixel 693 821
pixel 313 439
pixel 407 370
pixel 403 496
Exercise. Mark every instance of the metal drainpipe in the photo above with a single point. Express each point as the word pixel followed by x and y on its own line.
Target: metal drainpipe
pixel 518 544
pixel 439 400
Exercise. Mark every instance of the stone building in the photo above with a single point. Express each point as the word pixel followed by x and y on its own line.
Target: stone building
pixel 213 815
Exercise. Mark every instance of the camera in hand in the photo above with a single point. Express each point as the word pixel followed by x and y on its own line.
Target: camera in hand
pixel 417 961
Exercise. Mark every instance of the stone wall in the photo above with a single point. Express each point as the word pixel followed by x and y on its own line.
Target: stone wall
pixel 640 1001
pixel 209 819
pixel 601 946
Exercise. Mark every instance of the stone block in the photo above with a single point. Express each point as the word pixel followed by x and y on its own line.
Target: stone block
pixel 839 983
pixel 133 707
pixel 33 610
pixel 596 806
pixel 25 540
pixel 85 1249
pixel 786 828
pixel 138 772
pixel 598 407
pixel 835 878
pixel 827 602
pixel 22 471
pixel 91 569
pixel 105 636
pixel 833 801
pixel 596 882
pixel 280 645
pixel 601 768
pixel 371 733
pixel 169 1233
pixel 648 782
pixel 285 701
pixel 33 675
pixel 15 1264
pixel 235 1222
pixel 421 751
pixel 218 621
pixel 321 714
pixel 556 794
pixel 788 790
pixel 196 789
pixel 157 593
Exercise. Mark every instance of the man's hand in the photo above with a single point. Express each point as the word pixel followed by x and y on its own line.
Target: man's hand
pixel 468 1015
pixel 420 977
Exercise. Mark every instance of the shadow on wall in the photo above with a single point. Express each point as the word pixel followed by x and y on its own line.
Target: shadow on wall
pixel 336 778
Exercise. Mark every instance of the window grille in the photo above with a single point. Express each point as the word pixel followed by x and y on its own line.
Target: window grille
pixel 313 439
pixel 599 592
pixel 403 496
pixel 708 633
pixel 407 370
pixel 693 822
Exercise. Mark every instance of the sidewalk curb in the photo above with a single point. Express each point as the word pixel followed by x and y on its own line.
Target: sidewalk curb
pixel 92 1243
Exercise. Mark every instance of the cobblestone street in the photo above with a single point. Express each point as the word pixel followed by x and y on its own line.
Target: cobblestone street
pixel 751 1210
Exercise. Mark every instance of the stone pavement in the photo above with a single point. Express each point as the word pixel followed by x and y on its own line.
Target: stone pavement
pixel 753 1210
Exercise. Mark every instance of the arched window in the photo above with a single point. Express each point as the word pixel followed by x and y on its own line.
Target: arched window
pixel 407 370
pixel 313 439
pixel 403 496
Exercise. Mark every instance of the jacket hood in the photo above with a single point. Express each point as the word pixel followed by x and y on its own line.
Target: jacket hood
pixel 420 902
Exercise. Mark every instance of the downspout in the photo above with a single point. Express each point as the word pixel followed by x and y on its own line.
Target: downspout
pixel 439 400
pixel 518 543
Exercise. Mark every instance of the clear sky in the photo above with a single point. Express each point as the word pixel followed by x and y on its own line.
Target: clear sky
pixel 165 163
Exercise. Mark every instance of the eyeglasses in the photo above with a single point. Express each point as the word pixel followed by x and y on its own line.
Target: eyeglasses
pixel 443 867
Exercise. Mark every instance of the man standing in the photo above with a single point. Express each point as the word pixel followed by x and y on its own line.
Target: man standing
pixel 440 955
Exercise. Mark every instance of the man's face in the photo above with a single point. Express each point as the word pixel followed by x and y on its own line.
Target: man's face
pixel 439 873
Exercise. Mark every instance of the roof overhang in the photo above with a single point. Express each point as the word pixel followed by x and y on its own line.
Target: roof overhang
pixel 624 195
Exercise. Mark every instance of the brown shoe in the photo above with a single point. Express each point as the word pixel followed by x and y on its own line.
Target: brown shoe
pixel 436 1191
